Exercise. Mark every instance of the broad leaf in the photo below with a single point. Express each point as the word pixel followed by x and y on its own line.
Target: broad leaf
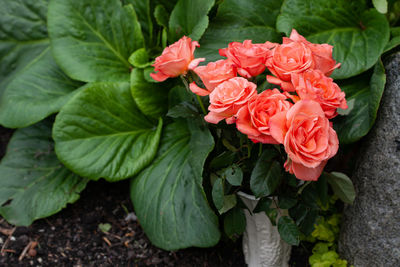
pixel 189 17
pixel 143 11
pixel 33 183
pixel 358 34
pixel 101 133
pixel 394 40
pixel 36 92
pixel 365 91
pixel 140 58
pixel 150 97
pixel 286 202
pixel 288 230
pixel 161 15
pixel 23 36
pixel 92 40
pixel 266 175
pixel 342 186
pixel 234 223
pixel 238 20
pixel 168 196
pixel 381 5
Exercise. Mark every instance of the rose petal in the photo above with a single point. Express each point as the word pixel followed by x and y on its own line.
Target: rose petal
pixel 197 90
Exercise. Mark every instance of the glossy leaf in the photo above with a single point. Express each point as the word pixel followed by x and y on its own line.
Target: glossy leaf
pixel 381 5
pixel 358 34
pixel 23 36
pixel 266 175
pixel 92 40
pixel 143 11
pixel 140 58
pixel 101 133
pixel 366 92
pixel 189 18
pixel 238 20
pixel 286 202
pixel 168 196
pixel 342 186
pixel 36 92
pixel 33 183
pixel 229 202
pixel 394 40
pixel 161 15
pixel 288 230
pixel 149 97
pixel 234 223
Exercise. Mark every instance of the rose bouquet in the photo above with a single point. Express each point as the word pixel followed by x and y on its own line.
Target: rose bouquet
pixel 290 123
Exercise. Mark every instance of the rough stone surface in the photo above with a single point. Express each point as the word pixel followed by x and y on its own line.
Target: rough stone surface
pixel 370 234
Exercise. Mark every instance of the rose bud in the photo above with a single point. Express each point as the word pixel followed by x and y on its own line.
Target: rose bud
pixel 308 138
pixel 176 60
pixel 253 118
pixel 213 75
pixel 248 58
pixel 322 54
pixel 314 85
pixel 227 98
pixel 287 58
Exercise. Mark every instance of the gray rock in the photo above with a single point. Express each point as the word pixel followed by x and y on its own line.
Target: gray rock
pixel 370 234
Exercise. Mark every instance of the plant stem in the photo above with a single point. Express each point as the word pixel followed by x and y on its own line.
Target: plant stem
pixel 303 186
pixel 260 149
pixel 201 104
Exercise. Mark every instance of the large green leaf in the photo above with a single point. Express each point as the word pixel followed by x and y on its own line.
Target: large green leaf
pixel 92 40
pixel 101 133
pixel 358 34
pixel 36 92
pixel 189 17
pixel 364 92
pixel 151 98
pixel 143 11
pixel 168 196
pixel 23 36
pixel 238 20
pixel 33 183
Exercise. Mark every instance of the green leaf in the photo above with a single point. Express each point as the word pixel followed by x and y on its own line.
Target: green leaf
pixel 229 202
pixel 234 223
pixel 366 90
pixel 358 34
pixel 288 230
pixel 23 36
pixel 143 11
pixel 381 6
pixel 149 97
pixel 264 204
pixel 36 92
pixel 342 186
pixel 101 133
pixel 105 227
pixel 168 196
pixel 307 224
pixel 238 20
pixel 161 15
pixel 189 17
pixel 394 40
pixel 266 175
pixel 286 202
pixel 183 110
pixel 322 190
pixel 222 160
pixel 140 58
pixel 218 193
pixel 233 174
pixel 92 40
pixel 33 183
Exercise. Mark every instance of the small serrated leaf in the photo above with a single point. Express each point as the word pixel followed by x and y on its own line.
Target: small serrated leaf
pixel 288 230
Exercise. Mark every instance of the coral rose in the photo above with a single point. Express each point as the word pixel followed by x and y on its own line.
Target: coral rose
pixel 253 118
pixel 176 59
pixel 248 58
pixel 287 58
pixel 322 53
pixel 227 98
pixel 308 138
pixel 313 84
pixel 213 75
